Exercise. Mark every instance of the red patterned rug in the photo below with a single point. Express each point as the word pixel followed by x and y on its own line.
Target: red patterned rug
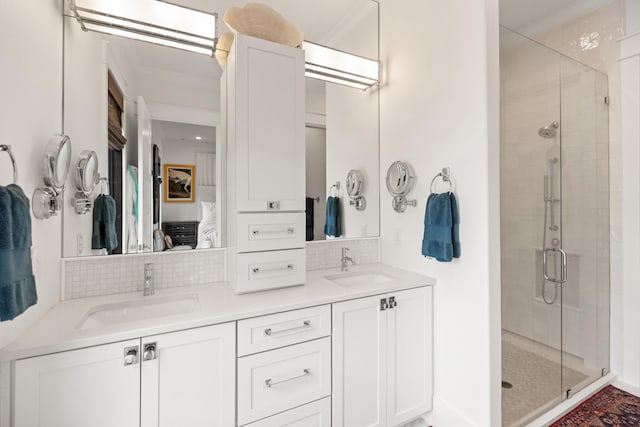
pixel 610 407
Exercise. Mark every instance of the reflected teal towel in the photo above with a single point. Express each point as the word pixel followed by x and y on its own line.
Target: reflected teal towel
pixel 441 228
pixel 104 224
pixel 17 283
pixel 332 226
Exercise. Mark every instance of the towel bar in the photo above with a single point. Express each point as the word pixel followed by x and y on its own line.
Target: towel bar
pixel 7 148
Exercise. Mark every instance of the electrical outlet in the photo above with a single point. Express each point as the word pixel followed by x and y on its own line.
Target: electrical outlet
pixel 80 243
pixel 363 230
pixel 397 237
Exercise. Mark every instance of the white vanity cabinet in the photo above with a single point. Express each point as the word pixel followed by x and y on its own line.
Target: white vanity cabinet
pixel 184 378
pixel 263 115
pixel 96 386
pixel 265 126
pixel 284 369
pixel 382 359
pixel 188 378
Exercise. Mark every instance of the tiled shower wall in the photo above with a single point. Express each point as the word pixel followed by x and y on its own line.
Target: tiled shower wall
pixel 94 276
pixel 538 87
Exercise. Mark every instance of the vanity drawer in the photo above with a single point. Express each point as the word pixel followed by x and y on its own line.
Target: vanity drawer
pixel 268 270
pixel 315 414
pixel 282 329
pixel 271 231
pixel 278 380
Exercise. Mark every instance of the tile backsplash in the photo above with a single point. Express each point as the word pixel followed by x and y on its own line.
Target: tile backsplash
pixel 87 277
pixel 95 276
pixel 324 254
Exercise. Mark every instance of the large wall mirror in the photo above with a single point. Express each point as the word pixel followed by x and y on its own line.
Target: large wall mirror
pixel 150 113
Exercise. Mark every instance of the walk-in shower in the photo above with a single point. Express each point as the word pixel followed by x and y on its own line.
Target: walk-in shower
pixel 554 227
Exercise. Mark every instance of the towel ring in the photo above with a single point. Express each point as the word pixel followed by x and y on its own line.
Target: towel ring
pixel 446 177
pixel 7 148
pixel 335 186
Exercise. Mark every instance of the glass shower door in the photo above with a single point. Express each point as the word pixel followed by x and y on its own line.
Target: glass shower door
pixel 530 223
pixel 554 227
pixel 584 134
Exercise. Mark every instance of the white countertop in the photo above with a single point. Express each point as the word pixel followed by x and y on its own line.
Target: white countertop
pixel 56 331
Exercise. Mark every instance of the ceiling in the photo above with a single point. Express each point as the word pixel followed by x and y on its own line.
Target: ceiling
pixel 532 17
pixel 183 132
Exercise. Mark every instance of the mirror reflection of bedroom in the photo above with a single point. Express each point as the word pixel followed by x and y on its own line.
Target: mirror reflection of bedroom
pixel 184 168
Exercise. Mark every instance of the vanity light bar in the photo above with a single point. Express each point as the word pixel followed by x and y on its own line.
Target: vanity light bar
pixel 335 66
pixel 150 21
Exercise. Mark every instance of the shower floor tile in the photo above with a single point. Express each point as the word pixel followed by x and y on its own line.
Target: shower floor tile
pixel 535 380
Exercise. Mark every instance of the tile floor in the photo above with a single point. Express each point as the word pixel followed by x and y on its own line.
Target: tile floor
pixel 534 372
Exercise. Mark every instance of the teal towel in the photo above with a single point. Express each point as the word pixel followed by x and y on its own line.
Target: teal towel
pixel 104 224
pixel 332 226
pixel 441 228
pixel 17 283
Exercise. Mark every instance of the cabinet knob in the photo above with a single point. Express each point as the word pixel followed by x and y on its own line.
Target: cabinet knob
pixel 149 352
pixel 130 355
pixel 383 304
pixel 392 302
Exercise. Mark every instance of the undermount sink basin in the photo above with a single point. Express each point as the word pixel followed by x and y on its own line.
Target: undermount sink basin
pixel 142 309
pixel 360 278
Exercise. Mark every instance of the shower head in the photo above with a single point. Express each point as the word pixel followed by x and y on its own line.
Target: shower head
pixel 550 131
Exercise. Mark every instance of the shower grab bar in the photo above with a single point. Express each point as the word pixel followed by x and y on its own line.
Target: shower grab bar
pixel 563 270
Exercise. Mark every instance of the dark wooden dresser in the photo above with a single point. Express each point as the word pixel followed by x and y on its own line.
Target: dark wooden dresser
pixel 182 232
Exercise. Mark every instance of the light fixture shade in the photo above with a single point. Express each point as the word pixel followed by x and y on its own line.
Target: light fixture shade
pixel 335 66
pixel 151 21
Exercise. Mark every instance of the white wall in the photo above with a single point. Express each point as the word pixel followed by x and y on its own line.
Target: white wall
pixel 626 295
pixel 30 112
pixel 440 107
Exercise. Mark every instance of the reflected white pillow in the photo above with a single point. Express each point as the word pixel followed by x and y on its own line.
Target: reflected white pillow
pixel 208 212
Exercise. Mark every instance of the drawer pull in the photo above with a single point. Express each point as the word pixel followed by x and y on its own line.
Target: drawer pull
pixel 270 383
pixel 257 231
pixel 306 324
pixel 257 270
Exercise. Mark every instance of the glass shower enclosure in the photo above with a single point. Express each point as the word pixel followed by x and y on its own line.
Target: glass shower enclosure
pixel 554 226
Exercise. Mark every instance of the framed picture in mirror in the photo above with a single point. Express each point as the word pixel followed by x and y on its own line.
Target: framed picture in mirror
pixel 178 183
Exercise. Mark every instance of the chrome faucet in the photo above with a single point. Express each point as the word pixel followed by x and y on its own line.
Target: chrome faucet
pixel 149 287
pixel 346 257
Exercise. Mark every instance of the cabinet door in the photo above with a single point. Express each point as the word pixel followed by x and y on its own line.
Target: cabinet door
pixel 359 363
pixel 80 388
pixel 410 384
pixel 189 379
pixel 269 126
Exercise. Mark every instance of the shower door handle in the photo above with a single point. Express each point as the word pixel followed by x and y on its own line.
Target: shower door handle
pixel 563 270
